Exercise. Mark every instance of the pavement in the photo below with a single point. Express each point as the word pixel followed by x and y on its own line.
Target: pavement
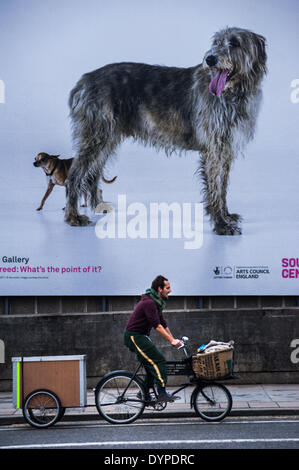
pixel 263 400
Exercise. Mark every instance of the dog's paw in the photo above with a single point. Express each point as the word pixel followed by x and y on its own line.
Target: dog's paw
pixel 78 220
pixel 227 229
pixel 39 209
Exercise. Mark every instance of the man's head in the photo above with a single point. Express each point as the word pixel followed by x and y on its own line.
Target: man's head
pixel 161 285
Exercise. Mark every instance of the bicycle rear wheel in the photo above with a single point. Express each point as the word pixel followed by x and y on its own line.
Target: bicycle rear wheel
pixel 212 402
pixel 120 398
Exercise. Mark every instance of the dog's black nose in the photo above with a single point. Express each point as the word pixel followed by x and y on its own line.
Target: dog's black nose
pixel 34 163
pixel 211 60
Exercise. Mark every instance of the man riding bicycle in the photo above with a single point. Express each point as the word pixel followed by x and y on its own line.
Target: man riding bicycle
pixel 148 314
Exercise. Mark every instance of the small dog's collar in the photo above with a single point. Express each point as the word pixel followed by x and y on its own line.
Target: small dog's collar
pixel 50 174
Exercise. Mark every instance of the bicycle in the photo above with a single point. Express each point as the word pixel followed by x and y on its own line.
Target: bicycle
pixel 121 396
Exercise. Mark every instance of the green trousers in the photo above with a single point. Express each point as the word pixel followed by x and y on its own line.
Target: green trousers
pixel 147 353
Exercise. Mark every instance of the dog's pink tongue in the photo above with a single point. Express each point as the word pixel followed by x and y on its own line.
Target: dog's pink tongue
pixel 217 85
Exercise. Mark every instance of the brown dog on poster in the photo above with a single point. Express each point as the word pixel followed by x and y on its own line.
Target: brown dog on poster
pixel 57 170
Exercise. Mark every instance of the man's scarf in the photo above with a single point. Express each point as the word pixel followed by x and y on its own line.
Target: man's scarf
pixel 155 296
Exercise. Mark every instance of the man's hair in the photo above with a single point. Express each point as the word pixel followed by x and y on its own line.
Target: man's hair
pixel 158 282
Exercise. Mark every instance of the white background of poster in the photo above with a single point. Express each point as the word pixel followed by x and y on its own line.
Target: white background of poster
pixel 46 47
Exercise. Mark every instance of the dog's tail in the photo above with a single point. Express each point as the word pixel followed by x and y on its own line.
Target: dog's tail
pixel 109 181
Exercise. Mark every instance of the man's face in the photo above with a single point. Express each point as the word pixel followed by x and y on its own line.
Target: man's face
pixel 165 291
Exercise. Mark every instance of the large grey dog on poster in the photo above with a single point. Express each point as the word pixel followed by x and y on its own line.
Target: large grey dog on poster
pixel 211 108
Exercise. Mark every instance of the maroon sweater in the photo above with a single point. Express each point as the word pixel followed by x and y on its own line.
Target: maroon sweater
pixel 145 316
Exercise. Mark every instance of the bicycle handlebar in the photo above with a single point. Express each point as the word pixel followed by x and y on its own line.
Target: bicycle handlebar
pixel 184 340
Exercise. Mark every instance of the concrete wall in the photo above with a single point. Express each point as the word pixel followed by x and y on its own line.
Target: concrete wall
pixel 263 339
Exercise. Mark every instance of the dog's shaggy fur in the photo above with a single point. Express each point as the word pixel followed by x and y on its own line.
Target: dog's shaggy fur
pixel 211 108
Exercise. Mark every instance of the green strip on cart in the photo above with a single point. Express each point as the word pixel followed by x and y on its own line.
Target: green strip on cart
pixel 18 385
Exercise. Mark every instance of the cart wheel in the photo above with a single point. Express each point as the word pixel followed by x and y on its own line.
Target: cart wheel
pixel 42 408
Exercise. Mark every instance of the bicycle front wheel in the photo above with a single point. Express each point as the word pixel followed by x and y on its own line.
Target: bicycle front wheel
pixel 212 402
pixel 120 398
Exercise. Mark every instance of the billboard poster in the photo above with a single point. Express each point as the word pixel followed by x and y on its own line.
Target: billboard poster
pixel 155 218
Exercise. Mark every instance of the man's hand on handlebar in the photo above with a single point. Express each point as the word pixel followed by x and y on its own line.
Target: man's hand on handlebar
pixel 176 343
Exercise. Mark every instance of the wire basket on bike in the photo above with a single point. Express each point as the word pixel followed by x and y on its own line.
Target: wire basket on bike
pixel 213 365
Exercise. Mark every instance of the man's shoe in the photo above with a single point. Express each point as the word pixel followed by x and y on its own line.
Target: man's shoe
pixel 167 397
